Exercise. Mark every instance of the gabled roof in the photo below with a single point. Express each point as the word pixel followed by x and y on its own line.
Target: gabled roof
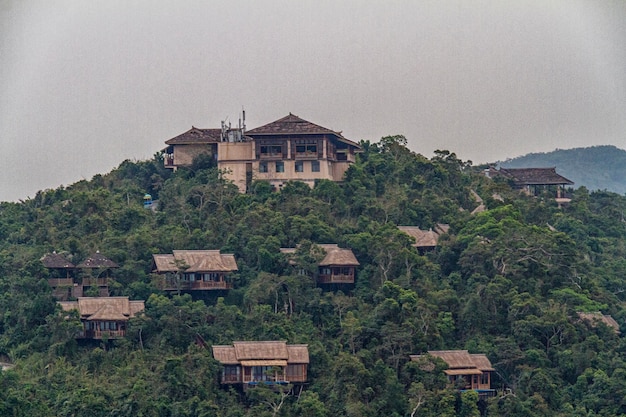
pixel 598 317
pixel 54 260
pixel 534 176
pixel 265 353
pixel 196 136
pixel 461 362
pixel 425 238
pixel 333 255
pixel 97 260
pixel 104 308
pixel 337 256
pixel 261 350
pixel 195 261
pixel 293 125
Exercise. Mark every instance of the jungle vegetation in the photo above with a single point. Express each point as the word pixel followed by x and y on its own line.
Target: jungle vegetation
pixel 507 282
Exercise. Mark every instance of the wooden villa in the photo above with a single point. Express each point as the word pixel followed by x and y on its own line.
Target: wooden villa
pixel 337 267
pixel 287 149
pixel 468 371
pixel 425 240
pixel 70 281
pixel 103 317
pixel 534 181
pixel 272 362
pixel 194 270
pixel 61 276
pixel 97 270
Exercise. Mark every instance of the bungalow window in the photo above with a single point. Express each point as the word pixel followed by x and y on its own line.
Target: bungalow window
pixel 315 166
pixel 294 371
pixel 325 271
pixel 280 166
pixel 263 167
pixel 212 276
pixel 231 373
pixel 484 378
pixel 299 166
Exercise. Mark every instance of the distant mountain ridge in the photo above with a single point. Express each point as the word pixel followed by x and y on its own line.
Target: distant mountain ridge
pixel 596 167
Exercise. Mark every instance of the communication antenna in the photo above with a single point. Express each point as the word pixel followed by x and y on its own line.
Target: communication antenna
pixel 243 112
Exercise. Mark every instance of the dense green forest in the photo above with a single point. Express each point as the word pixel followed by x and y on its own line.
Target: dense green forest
pixel 507 282
pixel 596 167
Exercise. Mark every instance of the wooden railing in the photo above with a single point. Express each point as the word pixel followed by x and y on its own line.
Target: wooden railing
pixel 92 282
pixel 100 334
pixel 58 282
pixel 211 285
pixel 197 285
pixel 336 279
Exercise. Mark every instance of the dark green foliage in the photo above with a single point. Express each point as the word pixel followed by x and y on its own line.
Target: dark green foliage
pixel 508 282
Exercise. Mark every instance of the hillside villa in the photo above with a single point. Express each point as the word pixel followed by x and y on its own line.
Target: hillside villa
pixel 287 149
pixel 103 317
pixel 271 362
pixel 194 270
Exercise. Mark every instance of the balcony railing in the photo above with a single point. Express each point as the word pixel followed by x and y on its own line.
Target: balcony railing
pixel 95 282
pixel 110 334
pixel 336 279
pixel 60 282
pixel 197 285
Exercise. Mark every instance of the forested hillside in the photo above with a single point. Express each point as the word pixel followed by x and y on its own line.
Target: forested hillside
pixel 508 282
pixel 596 167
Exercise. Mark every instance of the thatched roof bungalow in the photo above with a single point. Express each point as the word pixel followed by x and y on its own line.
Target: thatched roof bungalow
pixel 194 269
pixel 337 267
pixel 266 361
pixel 467 370
pixel 104 316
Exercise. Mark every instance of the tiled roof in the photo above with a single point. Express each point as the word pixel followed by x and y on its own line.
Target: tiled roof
pixel 54 260
pixel 196 136
pixel 293 125
pixel 97 260
pixel 534 176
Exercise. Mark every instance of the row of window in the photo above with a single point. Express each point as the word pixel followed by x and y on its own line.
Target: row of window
pixel 210 276
pixel 263 373
pixel 277 150
pixel 279 166
pixel 101 325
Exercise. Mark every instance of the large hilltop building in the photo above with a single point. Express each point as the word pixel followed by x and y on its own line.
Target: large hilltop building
pixel 287 149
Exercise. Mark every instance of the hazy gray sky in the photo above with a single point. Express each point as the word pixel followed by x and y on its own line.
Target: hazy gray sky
pixel 85 85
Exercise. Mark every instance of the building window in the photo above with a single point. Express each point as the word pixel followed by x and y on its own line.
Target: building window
pixel 299 166
pixel 263 167
pixel 484 378
pixel 315 166
pixel 271 150
pixel 280 166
